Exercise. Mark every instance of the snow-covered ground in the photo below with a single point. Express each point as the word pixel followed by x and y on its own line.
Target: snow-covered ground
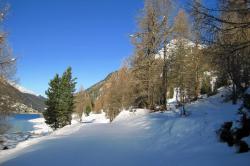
pixel 138 138
pixel 40 127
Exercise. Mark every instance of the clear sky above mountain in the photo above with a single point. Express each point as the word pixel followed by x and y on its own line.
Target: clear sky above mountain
pixel 91 36
pixel 49 35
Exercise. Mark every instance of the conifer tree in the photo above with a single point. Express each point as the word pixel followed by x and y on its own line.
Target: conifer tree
pixel 52 112
pixel 67 89
pixel 60 100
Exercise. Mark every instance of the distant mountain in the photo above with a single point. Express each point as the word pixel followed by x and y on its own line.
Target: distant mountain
pixel 22 100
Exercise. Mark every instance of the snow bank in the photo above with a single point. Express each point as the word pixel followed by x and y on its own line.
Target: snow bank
pixel 40 127
pixel 95 118
pixel 67 130
pixel 126 115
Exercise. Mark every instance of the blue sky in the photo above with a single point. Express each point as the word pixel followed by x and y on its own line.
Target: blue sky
pixel 91 36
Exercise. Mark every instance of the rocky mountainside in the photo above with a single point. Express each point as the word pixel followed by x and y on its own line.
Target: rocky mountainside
pixel 20 101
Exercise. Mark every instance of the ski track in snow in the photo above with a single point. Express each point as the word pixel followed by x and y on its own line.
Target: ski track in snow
pixel 133 139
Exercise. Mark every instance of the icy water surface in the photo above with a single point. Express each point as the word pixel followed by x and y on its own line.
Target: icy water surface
pixel 20 122
pixel 19 129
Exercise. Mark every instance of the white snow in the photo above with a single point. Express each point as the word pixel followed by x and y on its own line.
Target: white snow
pixel 95 118
pixel 127 115
pixel 41 128
pixel 138 138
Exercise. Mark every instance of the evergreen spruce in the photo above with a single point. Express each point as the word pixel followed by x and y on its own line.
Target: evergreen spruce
pixel 67 97
pixel 52 111
pixel 60 100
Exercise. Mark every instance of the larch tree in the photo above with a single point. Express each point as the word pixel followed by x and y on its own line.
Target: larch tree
pixel 83 103
pixel 226 32
pixel 117 93
pixel 180 56
pixel 147 44
pixel 79 103
pixel 165 8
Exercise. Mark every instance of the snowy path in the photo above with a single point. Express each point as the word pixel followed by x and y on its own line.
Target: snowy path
pixel 150 140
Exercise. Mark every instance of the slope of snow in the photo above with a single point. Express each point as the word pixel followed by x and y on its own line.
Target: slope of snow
pixel 41 128
pixel 148 139
pixel 126 115
pixel 95 118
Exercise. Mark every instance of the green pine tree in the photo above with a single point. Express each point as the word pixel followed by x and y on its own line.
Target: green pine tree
pixel 52 102
pixel 67 97
pixel 60 100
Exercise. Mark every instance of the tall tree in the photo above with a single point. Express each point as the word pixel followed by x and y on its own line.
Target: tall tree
pixel 51 114
pixel 147 43
pixel 67 89
pixel 60 100
pixel 180 56
pixel 165 8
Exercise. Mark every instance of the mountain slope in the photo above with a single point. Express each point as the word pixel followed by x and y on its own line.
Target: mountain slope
pixel 94 91
pixel 20 99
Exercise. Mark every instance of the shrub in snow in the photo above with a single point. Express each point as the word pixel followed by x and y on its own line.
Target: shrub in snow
pixel 244 131
pixel 234 136
pixel 87 110
pixel 225 133
pixel 5 148
pixel 247 101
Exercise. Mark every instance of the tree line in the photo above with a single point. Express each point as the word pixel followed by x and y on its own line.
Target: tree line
pixel 178 53
pixel 181 54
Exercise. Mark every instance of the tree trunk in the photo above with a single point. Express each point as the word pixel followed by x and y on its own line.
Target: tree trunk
pixel 164 82
pixel 234 95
